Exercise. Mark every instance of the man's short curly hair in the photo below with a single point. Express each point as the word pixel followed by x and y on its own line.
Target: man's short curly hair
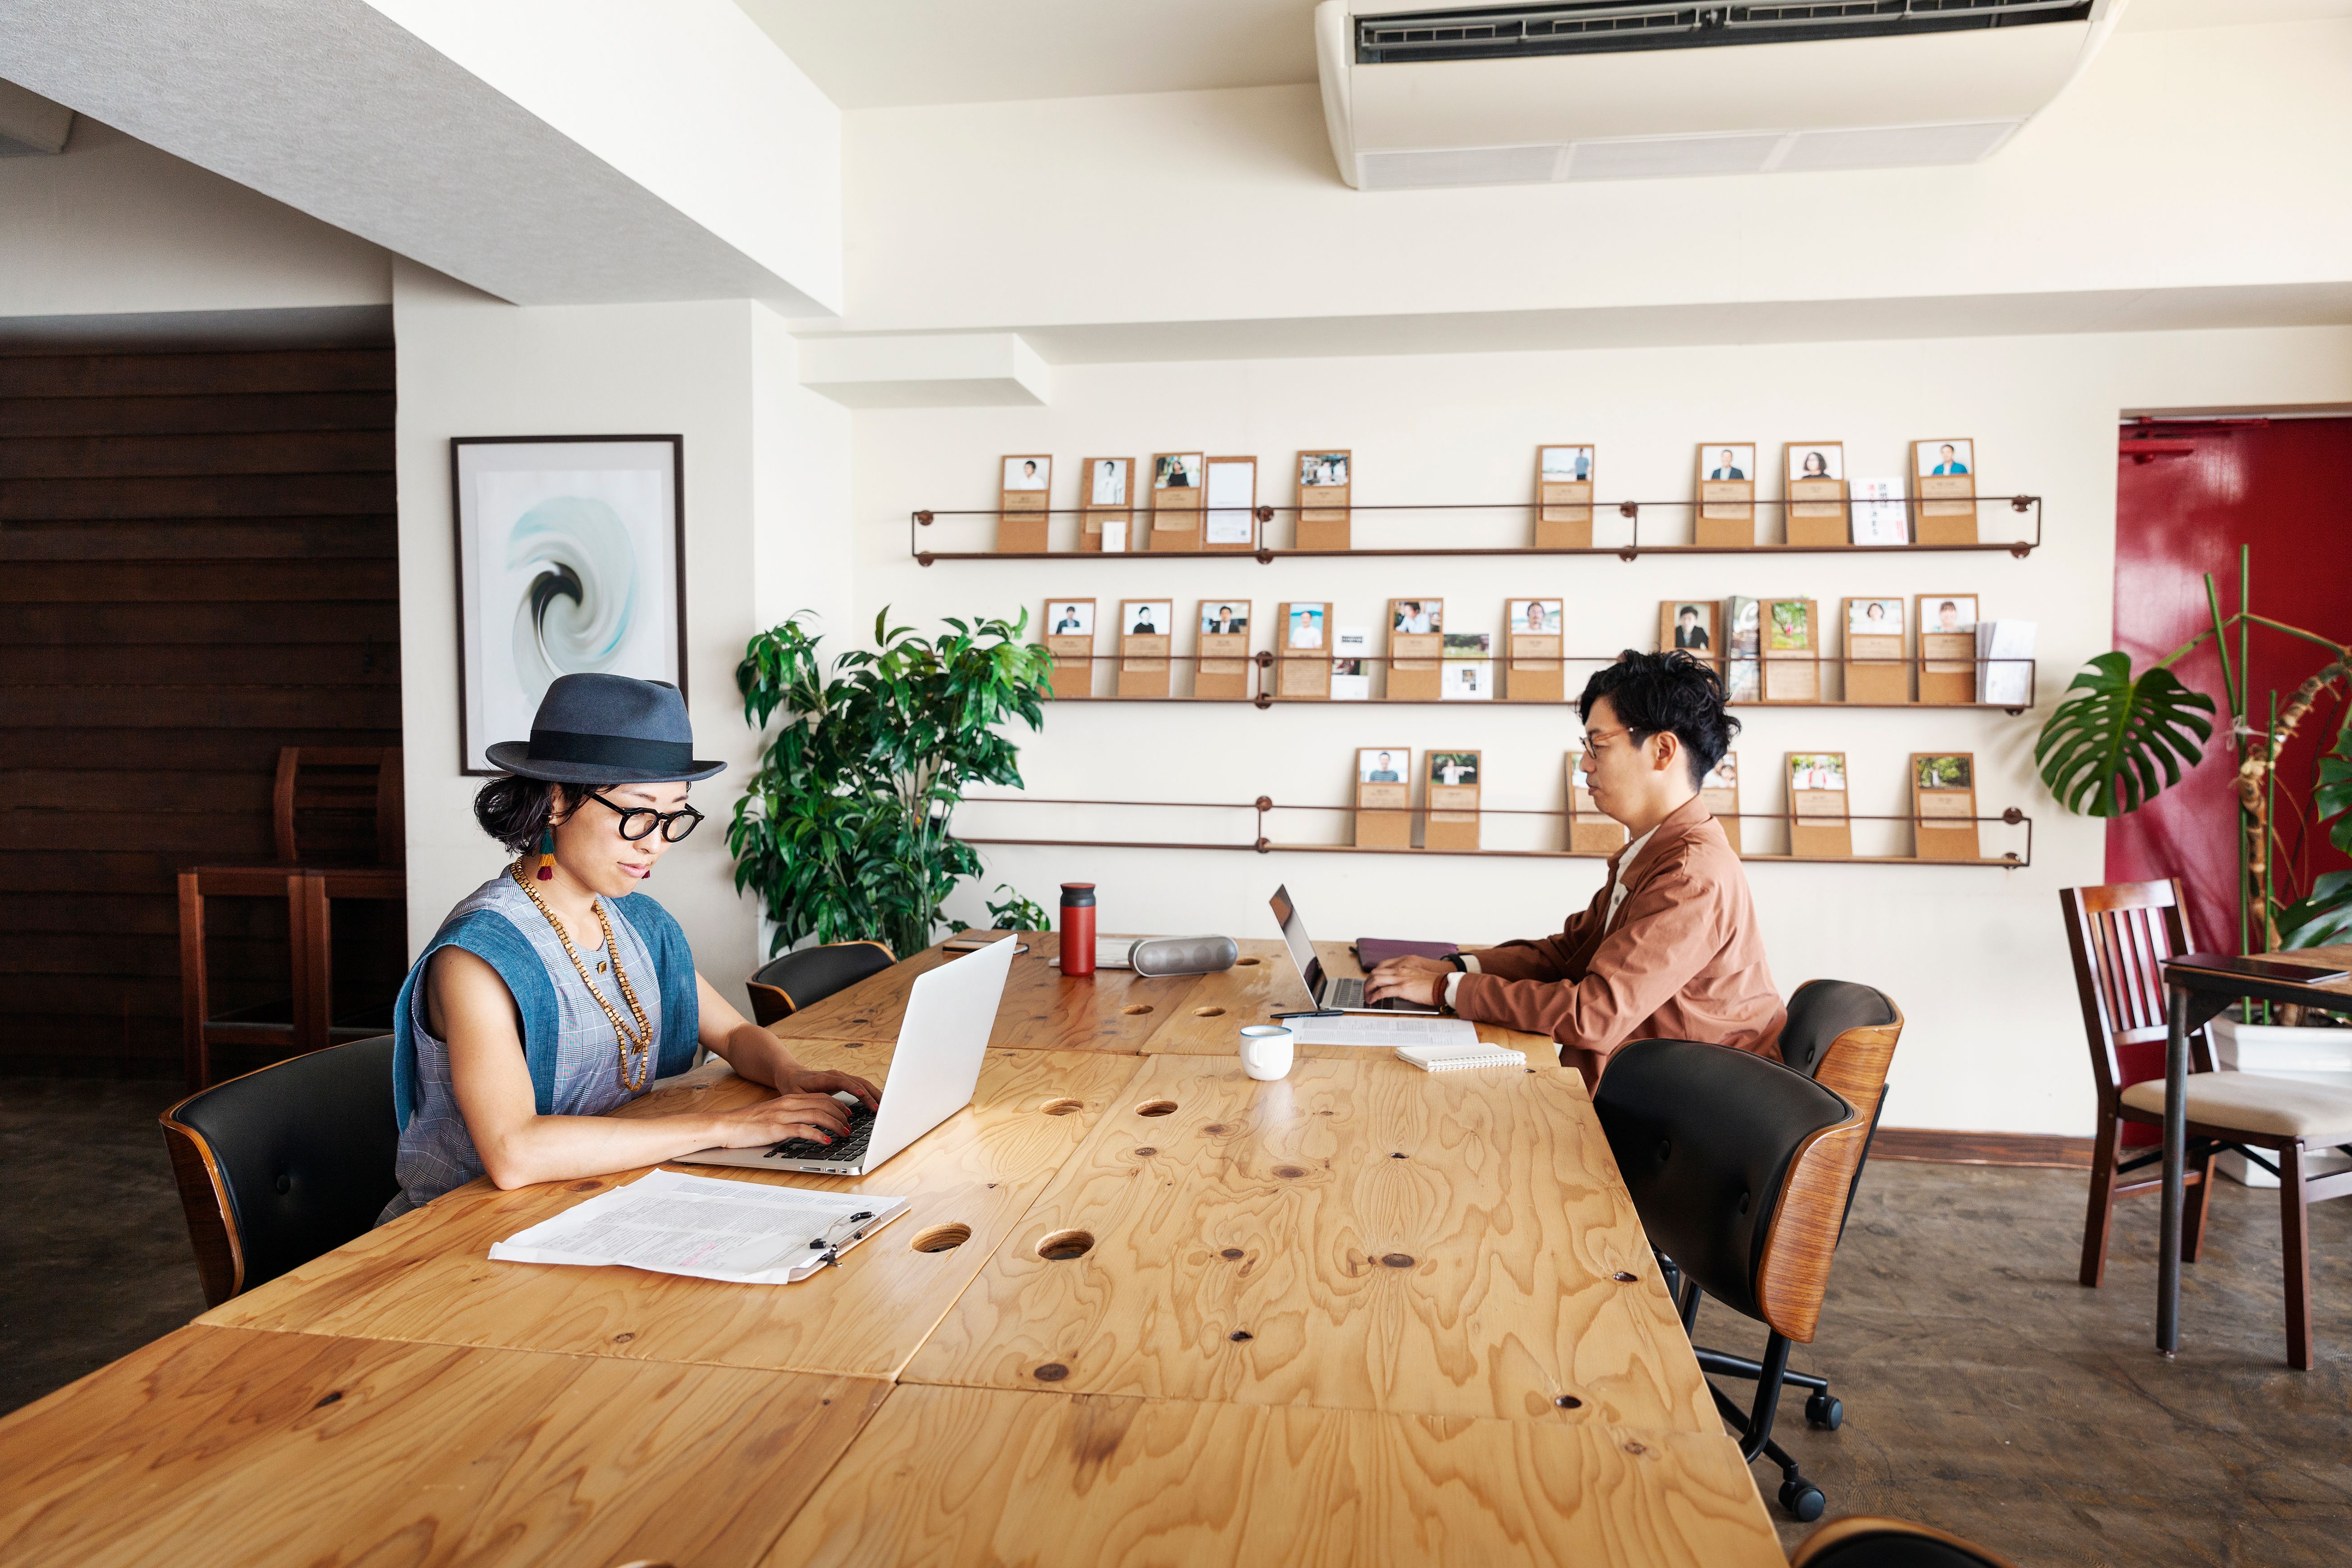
pixel 1656 692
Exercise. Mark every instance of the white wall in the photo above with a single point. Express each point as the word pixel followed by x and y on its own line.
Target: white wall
pixel 1973 955
pixel 757 477
pixel 113 226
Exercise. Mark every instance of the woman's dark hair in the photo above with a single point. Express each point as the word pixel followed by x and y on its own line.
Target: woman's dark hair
pixel 1656 692
pixel 515 810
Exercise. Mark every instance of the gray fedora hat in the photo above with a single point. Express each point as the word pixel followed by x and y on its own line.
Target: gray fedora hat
pixel 608 728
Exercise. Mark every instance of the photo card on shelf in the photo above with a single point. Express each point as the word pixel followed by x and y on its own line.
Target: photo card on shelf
pixel 1026 491
pixel 1384 798
pixel 1179 489
pixel 1720 792
pixel 1814 490
pixel 1878 512
pixel 1231 524
pixel 1450 801
pixel 1145 628
pixel 1351 663
pixel 1590 830
pixel 1108 519
pixel 1727 495
pixel 1792 647
pixel 1467 671
pixel 1743 650
pixel 1533 650
pixel 1948 647
pixel 1221 669
pixel 1564 498
pixel 1326 481
pixel 1416 643
pixel 1944 469
pixel 1876 669
pixel 1302 650
pixel 1688 625
pixel 1943 806
pixel 1820 822
pixel 1070 637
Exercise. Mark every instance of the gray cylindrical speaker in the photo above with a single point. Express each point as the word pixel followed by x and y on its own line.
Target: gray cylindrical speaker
pixel 1183 954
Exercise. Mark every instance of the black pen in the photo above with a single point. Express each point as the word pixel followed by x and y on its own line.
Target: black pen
pixel 1314 1013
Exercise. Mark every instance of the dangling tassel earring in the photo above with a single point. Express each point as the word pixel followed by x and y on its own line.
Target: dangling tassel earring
pixel 547 855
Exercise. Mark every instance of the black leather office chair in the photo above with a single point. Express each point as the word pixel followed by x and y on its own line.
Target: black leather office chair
pixel 791 981
pixel 1843 1035
pixel 280 1165
pixel 1740 1169
pixel 1865 1542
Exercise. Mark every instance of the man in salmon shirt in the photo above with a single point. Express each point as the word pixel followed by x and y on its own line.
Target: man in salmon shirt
pixel 1668 949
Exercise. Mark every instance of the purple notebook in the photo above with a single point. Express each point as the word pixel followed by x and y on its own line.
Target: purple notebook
pixel 1371 951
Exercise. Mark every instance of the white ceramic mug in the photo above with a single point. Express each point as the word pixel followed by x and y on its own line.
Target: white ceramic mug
pixel 1265 1051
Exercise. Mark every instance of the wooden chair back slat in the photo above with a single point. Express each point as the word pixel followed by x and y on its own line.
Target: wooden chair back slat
pixel 2120 935
pixel 344 782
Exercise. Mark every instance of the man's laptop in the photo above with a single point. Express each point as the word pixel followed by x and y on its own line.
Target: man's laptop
pixel 1343 992
pixel 941 1042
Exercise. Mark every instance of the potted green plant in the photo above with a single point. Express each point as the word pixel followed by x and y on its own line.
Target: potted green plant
pixel 843 830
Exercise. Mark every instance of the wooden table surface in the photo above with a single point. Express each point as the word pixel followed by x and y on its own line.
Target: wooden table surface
pixel 1143 1308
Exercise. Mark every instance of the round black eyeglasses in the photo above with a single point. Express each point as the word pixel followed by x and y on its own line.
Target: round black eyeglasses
pixel 639 821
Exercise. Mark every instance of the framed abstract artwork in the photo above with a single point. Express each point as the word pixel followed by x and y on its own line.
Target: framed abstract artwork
pixel 570 559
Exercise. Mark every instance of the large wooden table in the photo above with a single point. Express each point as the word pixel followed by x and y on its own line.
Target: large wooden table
pixel 1142 1309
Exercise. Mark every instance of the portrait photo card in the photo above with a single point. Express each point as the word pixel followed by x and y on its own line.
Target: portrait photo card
pixel 1564 498
pixel 1023 501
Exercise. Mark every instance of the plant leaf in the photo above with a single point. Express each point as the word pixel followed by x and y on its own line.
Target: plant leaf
pixel 2101 749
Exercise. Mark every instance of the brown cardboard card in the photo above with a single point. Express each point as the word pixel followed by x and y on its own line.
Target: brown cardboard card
pixel 1819 823
pixel 1107 517
pixel 1944 474
pixel 1179 490
pixel 1221 670
pixel 1069 627
pixel 1231 524
pixel 1384 798
pixel 1145 629
pixel 1416 643
pixel 1450 797
pixel 1876 669
pixel 1720 792
pixel 1727 495
pixel 1302 650
pixel 1814 480
pixel 1564 498
pixel 1948 647
pixel 1590 831
pixel 1022 503
pixel 1943 806
pixel 1326 480
pixel 1534 671
pixel 1691 626
pixel 1792 645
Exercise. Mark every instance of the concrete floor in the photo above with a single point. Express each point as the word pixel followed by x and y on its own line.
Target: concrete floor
pixel 1985 1392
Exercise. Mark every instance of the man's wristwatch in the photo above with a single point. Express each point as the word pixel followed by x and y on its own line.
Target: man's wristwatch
pixel 1455 960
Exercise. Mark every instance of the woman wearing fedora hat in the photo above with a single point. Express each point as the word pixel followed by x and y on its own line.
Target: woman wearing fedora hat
pixel 557 990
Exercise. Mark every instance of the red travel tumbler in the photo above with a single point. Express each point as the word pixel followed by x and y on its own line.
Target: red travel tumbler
pixel 1077 928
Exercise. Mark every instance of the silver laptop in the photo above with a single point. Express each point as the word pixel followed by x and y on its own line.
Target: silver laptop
pixel 1344 992
pixel 941 1043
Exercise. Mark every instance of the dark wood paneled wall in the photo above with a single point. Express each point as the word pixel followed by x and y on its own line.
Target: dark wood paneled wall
pixel 197 566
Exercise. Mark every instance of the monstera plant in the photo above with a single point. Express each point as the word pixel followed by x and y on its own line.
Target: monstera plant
pixel 2117 739
pixel 843 830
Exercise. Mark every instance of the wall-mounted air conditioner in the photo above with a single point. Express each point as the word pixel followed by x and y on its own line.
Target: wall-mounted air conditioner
pixel 1630 89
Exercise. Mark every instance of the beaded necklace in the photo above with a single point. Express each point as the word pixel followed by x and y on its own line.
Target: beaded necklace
pixel 642 1038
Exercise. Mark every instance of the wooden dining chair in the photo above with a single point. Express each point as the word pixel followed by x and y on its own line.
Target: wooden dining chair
pixel 1740 1169
pixel 791 981
pixel 2120 935
pixel 1863 1541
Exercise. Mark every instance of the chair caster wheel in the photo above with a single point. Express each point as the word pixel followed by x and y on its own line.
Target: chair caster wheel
pixel 1823 1411
pixel 1802 1501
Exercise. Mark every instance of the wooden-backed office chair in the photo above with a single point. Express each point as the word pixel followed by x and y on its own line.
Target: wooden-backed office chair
pixel 1740 1169
pixel 2120 935
pixel 337 826
pixel 1865 1542
pixel 1841 1035
pixel 279 1165
pixel 791 981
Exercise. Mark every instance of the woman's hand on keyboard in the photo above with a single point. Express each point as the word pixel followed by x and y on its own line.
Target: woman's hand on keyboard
pixel 819 1117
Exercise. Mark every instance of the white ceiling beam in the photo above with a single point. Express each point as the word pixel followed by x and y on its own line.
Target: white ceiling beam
pixel 945 370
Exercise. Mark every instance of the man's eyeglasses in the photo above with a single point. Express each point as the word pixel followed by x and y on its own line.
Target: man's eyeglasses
pixel 639 821
pixel 1594 740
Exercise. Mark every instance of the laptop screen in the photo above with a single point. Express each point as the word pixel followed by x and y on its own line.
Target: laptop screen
pixel 1294 937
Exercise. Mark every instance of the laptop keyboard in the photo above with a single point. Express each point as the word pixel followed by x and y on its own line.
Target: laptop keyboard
pixel 1347 991
pixel 848 1149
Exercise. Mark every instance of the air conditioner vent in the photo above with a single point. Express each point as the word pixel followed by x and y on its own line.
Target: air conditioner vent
pixel 1506 32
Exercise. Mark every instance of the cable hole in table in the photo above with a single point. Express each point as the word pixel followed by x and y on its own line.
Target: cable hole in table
pixel 942 1239
pixel 1137 1010
pixel 1156 1107
pixel 1207 1012
pixel 1062 1107
pixel 1065 1245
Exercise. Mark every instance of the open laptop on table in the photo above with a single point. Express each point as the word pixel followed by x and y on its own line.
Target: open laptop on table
pixel 941 1042
pixel 1342 992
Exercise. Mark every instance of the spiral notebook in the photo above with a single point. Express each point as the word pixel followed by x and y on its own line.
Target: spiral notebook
pixel 1456 1058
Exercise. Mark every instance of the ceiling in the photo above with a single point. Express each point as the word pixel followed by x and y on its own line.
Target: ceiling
pixel 875 54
